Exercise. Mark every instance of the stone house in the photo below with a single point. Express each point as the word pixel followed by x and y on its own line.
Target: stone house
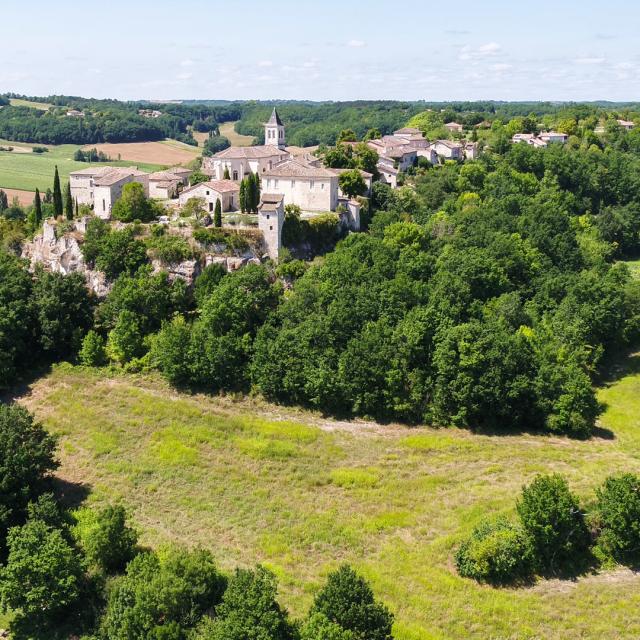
pixel 167 184
pixel 454 127
pixel 553 136
pixel 227 191
pixel 626 124
pixel 107 188
pixel 311 188
pixel 448 150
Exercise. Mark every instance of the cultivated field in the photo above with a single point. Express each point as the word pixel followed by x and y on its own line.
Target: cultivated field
pixel 201 137
pixel 25 198
pixel 301 494
pixel 26 171
pixel 166 152
pixel 236 139
pixel 42 106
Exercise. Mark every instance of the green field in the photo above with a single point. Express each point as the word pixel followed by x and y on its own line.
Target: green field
pixel 30 170
pixel 254 482
pixel 42 106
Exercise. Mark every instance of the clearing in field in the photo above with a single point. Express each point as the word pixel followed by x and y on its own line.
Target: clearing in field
pixel 236 139
pixel 25 198
pixel 257 483
pixel 201 137
pixel 41 106
pixel 166 152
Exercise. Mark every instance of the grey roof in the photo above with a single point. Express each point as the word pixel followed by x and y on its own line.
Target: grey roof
pixel 118 174
pixel 249 153
pixel 275 118
pixel 219 186
pixel 298 169
pixel 271 201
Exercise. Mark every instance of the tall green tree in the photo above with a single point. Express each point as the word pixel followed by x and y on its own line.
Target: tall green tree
pixel 217 216
pixel 243 196
pixel 226 175
pixel 68 202
pixel 37 209
pixel 57 194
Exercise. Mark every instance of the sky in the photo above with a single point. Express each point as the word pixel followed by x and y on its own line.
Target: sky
pixel 328 50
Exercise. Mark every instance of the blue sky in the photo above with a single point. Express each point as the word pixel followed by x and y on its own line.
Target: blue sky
pixel 338 50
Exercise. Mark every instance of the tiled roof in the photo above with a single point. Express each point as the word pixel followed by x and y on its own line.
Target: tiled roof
pixel 295 169
pixel 249 153
pixel 116 175
pixel 164 176
pixel 220 186
pixel 271 201
pixel 364 174
pixel 408 131
pixel 92 171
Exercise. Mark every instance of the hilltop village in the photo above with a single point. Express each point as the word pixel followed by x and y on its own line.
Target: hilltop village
pixel 287 176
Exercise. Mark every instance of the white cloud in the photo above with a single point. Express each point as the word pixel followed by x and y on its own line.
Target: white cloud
pixel 588 60
pixel 187 63
pixel 185 76
pixel 483 51
pixel 501 67
pixel 356 44
pixel 265 63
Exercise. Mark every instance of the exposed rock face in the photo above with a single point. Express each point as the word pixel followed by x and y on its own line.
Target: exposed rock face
pixel 188 270
pixel 63 255
pixel 230 263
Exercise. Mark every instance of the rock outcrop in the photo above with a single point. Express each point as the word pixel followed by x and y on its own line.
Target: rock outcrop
pixel 59 252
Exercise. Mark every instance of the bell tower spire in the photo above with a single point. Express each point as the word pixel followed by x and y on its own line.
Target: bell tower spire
pixel 274 131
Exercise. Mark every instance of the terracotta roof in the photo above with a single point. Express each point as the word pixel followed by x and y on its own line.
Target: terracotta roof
pixel 271 201
pixel 220 186
pixel 249 153
pixel 164 176
pixel 408 131
pixel 364 174
pixel 296 168
pixel 450 144
pixel 116 175
pixel 92 171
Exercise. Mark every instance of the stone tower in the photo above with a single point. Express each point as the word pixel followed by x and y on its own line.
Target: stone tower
pixel 271 221
pixel 274 131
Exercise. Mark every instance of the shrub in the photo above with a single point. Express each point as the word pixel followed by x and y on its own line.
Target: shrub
pixel 108 543
pixel 162 595
pixel 319 627
pixel 133 204
pixel 551 515
pixel 120 252
pixel 26 459
pixel 207 281
pixel 92 353
pixel 249 609
pixel 125 340
pixel 347 600
pixel 43 575
pixel 170 249
pixel 497 552
pixel 209 237
pixel 618 510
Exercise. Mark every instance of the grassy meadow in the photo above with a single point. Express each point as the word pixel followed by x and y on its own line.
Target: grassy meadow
pixel 236 139
pixel 28 171
pixel 41 106
pixel 300 493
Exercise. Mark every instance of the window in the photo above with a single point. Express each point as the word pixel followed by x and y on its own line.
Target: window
pixel 207 193
pixel 211 206
pixel 104 206
pixel 293 184
pixel 235 175
pixel 311 184
pixel 267 216
pixel 270 228
pixel 322 185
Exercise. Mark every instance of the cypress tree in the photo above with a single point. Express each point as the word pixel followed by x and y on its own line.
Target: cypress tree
pixel 57 194
pixel 243 195
pixel 48 196
pixel 4 201
pixel 76 210
pixel 217 216
pixel 37 208
pixel 257 202
pixel 226 175
pixel 68 202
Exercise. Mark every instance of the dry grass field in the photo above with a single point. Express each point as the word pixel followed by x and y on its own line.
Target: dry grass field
pixel 166 152
pixel 301 493
pixel 201 137
pixel 25 198
pixel 41 106
pixel 237 140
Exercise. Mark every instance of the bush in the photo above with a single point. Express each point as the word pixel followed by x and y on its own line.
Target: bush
pixel 162 595
pixel 108 543
pixel 209 237
pixel 170 249
pixel 207 281
pixel 618 512
pixel 347 600
pixel 43 575
pixel 125 340
pixel 249 609
pixel 92 352
pixel 26 459
pixel 133 204
pixel 551 516
pixel 497 552
pixel 120 252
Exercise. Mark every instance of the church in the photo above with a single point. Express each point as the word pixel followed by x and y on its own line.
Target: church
pixel 241 161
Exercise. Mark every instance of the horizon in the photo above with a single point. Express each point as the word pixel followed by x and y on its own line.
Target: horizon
pixel 423 52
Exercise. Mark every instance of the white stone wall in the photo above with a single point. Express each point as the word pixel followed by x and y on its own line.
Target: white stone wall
pixel 271 223
pixel 319 194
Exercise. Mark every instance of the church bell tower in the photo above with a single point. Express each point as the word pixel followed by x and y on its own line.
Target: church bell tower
pixel 274 131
